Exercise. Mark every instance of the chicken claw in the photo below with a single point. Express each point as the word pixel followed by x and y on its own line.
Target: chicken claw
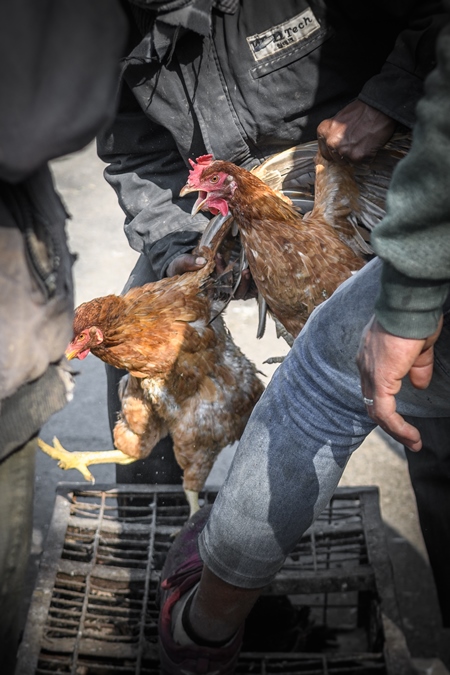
pixel 81 460
pixel 274 359
pixel 192 498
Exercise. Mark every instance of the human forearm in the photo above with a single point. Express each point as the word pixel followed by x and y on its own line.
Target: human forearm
pixel 147 172
pixel 397 88
pixel 414 242
pixel 414 237
pixel 409 308
pixel 361 128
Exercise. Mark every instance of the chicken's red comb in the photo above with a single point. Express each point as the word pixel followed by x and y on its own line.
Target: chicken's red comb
pixel 197 167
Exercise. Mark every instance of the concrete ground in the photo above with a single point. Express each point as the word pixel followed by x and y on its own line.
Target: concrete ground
pixel 104 261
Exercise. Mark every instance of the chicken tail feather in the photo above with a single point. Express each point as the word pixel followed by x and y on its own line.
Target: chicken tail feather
pixel 214 233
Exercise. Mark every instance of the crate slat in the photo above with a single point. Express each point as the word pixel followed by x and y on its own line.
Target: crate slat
pixel 94 608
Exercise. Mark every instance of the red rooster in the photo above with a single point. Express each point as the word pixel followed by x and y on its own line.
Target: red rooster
pixel 298 261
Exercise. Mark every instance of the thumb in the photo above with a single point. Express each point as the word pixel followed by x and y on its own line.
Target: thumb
pixel 185 263
pixel 422 370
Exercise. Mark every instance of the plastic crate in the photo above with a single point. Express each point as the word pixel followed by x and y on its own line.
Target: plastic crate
pixel 331 609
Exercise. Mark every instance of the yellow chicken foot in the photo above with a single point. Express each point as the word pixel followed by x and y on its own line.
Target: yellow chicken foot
pixel 81 460
pixel 287 337
pixel 194 506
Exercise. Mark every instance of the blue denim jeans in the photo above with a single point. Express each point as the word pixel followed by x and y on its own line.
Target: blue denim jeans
pixel 301 435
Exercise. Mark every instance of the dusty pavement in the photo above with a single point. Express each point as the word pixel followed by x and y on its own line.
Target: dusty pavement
pixel 104 261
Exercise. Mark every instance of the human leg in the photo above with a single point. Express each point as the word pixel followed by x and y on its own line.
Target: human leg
pixel 183 648
pixel 301 434
pixel 21 417
pixel 16 509
pixel 429 471
pixel 287 466
pixel 292 454
pixel 36 312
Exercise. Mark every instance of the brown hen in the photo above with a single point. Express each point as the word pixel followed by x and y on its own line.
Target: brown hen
pixel 187 377
pixel 298 261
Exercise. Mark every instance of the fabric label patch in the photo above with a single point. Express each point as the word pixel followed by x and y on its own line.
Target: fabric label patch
pixel 284 35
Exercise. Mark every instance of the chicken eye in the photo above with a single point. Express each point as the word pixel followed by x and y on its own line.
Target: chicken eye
pixel 81 337
pixel 214 179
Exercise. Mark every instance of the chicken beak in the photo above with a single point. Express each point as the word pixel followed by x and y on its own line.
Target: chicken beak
pixel 70 353
pixel 201 200
pixel 186 189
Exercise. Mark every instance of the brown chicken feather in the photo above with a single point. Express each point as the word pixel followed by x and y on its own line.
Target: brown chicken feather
pixel 187 377
pixel 298 261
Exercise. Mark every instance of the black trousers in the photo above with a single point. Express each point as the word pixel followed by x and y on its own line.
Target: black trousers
pixel 429 471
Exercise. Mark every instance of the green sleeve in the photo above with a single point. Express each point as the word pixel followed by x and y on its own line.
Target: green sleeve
pixel 414 237
pixel 409 307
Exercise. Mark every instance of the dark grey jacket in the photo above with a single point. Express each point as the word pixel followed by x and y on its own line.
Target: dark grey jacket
pixel 59 63
pixel 255 79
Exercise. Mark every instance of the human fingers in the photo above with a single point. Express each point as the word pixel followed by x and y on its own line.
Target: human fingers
pixel 186 262
pixel 422 370
pixel 329 136
pixel 383 360
pixel 381 407
pixel 384 413
pixel 355 133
